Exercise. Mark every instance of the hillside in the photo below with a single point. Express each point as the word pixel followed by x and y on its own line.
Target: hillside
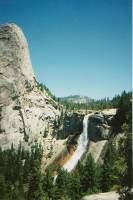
pixel 76 99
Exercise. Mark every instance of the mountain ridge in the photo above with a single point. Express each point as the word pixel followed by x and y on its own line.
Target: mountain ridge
pixel 76 99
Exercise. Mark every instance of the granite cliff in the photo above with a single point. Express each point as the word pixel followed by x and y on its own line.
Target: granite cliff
pixel 28 114
pixel 25 111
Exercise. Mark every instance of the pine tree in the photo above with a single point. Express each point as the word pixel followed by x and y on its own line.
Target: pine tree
pixel 74 189
pixel 63 181
pixel 48 184
pixel 89 176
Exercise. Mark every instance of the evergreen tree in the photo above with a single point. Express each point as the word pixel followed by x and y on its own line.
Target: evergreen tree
pixel 110 168
pixel 48 185
pixel 75 190
pixel 89 177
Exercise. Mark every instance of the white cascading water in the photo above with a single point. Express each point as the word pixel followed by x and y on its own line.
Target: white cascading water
pixel 81 148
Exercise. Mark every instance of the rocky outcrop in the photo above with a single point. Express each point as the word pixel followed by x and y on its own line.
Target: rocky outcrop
pixel 72 125
pixel 27 114
pixel 99 131
pixel 102 196
pixel 97 150
pixel 99 125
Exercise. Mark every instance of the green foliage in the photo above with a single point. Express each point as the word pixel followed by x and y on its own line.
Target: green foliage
pixel 43 87
pixel 117 167
pixel 125 152
pixel 75 188
pixel 48 186
pixel 123 123
pixel 21 177
pixel 124 113
pixel 63 183
pixel 122 102
pixel 89 176
pixel 84 180
pixel 101 104
pixel 19 169
pixel 92 105
pixel 110 169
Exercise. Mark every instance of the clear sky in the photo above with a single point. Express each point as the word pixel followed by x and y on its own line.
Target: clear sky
pixel 76 46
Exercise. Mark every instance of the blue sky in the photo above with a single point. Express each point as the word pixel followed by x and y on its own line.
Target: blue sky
pixel 76 46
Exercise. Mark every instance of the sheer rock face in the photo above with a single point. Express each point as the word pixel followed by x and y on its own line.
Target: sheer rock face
pixel 72 125
pixel 99 125
pixel 15 65
pixel 25 112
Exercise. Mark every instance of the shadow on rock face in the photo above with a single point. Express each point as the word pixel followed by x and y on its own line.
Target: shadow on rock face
pixel 98 128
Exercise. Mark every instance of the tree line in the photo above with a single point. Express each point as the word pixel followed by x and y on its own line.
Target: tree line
pixel 93 104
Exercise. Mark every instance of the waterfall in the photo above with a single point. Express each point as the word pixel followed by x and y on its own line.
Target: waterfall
pixel 81 148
